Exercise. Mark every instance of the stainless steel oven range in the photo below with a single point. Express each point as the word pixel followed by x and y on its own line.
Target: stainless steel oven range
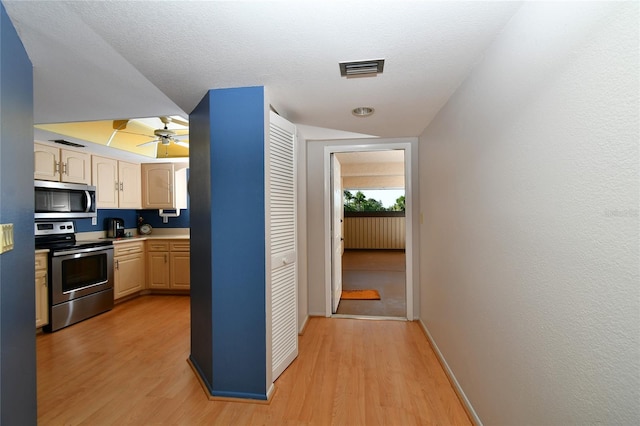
pixel 80 274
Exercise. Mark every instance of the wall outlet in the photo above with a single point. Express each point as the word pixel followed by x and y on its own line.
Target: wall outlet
pixel 6 237
pixel 94 220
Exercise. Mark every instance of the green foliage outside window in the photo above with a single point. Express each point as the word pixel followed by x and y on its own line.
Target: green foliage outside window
pixel 359 203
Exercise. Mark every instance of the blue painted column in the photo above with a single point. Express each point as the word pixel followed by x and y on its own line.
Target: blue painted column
pixel 18 405
pixel 228 320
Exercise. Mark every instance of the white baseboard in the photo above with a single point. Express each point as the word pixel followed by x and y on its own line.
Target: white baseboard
pixel 452 378
pixel 303 326
pixel 272 389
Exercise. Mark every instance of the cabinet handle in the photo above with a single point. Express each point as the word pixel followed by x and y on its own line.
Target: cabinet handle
pixel 116 185
pixel 46 280
pixel 117 264
pixel 56 167
pixel 121 186
pixel 64 169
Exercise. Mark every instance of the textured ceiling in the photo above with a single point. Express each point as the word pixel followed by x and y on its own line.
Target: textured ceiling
pixel 97 60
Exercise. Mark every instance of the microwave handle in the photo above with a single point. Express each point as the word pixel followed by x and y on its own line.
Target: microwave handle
pixel 88 197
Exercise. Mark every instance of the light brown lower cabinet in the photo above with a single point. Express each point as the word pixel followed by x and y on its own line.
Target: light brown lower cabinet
pixel 168 264
pixel 42 291
pixel 128 265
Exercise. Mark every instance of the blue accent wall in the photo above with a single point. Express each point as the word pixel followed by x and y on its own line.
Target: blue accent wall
pixel 18 404
pixel 201 266
pixel 231 224
pixel 151 217
pixel 131 219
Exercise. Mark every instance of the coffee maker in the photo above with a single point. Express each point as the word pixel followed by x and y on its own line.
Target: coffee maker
pixel 115 227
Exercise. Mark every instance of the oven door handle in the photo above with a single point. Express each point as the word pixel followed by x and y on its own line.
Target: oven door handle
pixel 82 250
pixel 88 197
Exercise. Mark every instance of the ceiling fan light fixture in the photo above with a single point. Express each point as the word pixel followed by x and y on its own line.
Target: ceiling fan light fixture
pixel 362 111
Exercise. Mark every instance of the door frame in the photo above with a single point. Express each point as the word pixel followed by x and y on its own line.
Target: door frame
pixel 408 191
pixel 336 244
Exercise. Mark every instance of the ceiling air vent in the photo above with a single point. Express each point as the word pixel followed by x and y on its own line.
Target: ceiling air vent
pixel 63 142
pixel 361 68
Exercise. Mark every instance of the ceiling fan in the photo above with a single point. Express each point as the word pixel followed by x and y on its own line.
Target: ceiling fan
pixel 162 136
pixel 165 135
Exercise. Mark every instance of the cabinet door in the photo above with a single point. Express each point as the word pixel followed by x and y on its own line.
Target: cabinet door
pixel 158 269
pixel 180 270
pixel 42 291
pixel 42 299
pixel 46 162
pixel 157 186
pixel 76 166
pixel 104 173
pixel 129 274
pixel 129 177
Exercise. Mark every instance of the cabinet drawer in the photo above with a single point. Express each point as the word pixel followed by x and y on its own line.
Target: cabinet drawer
pixel 158 245
pixel 183 245
pixel 41 261
pixel 128 248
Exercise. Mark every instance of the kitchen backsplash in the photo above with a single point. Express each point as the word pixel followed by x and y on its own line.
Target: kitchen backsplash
pixel 131 219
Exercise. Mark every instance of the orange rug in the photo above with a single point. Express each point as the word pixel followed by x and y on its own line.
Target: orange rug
pixel 360 295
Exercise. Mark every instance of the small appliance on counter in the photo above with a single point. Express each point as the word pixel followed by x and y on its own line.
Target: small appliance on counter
pixel 115 227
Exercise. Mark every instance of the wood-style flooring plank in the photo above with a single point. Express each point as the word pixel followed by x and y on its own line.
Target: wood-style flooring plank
pixel 128 367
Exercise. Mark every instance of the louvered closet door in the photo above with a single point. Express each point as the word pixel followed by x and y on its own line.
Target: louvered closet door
pixel 281 243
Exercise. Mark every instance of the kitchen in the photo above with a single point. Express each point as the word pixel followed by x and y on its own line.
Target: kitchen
pixel 89 256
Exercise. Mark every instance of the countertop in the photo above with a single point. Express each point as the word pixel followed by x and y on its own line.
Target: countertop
pixel 157 234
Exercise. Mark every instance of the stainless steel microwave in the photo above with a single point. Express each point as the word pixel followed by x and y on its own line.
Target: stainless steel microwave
pixel 59 200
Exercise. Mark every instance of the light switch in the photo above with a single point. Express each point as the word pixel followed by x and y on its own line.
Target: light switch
pixel 6 237
pixel 94 220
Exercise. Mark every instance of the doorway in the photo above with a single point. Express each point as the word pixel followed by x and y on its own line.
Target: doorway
pixel 385 269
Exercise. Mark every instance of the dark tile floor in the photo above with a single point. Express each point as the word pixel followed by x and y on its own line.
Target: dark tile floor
pixel 382 270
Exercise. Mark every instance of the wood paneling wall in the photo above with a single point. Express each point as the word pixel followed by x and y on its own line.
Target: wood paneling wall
pixel 374 232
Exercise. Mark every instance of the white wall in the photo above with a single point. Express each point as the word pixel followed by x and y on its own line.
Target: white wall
pixel 301 223
pixel 529 249
pixel 316 232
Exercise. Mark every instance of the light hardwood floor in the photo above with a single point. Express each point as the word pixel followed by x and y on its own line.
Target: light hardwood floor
pixel 128 367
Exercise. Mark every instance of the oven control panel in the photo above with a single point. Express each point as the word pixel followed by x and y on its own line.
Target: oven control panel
pixel 54 228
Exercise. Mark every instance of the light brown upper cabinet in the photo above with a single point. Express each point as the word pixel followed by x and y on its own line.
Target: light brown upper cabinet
pixel 61 165
pixel 164 186
pixel 117 183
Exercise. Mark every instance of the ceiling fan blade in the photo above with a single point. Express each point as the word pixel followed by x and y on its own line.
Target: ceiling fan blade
pixel 180 122
pixel 149 143
pixel 134 133
pixel 181 143
pixel 180 136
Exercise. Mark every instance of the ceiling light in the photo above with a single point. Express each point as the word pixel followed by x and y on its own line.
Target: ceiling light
pixel 362 111
pixel 369 68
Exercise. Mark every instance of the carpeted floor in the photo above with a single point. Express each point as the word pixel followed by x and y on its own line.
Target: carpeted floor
pixel 382 270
